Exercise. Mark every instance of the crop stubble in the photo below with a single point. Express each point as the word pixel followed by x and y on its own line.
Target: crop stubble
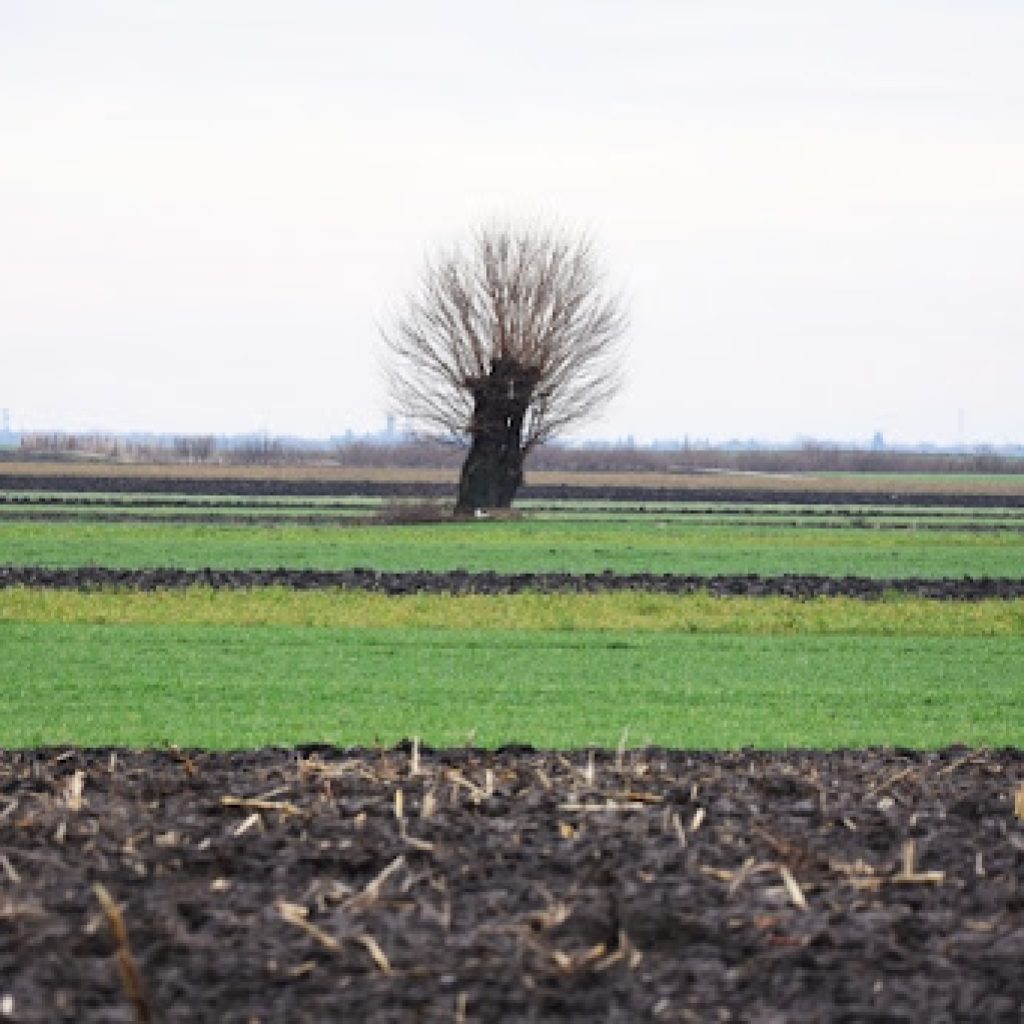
pixel 410 884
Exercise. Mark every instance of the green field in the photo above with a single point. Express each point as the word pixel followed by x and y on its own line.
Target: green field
pixel 622 611
pixel 526 546
pixel 210 668
pixel 235 686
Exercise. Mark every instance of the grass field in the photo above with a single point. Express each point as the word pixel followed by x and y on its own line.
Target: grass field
pixel 235 669
pixel 527 546
pixel 273 666
pixel 237 686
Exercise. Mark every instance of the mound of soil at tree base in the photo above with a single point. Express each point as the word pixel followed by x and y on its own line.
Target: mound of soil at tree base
pixel 404 885
pixel 461 582
pixel 562 492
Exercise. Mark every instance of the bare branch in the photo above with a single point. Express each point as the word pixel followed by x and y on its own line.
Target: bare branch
pixel 527 299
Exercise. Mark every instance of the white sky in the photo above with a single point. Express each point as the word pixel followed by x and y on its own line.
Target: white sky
pixel 815 209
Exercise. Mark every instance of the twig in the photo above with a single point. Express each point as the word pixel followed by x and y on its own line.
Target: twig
pixel 9 870
pixel 976 757
pixel 742 875
pixel 253 820
pixel 369 943
pixel 907 857
pixel 908 872
pixel 680 831
pixel 621 750
pixel 428 805
pixel 257 804
pixel 719 874
pixel 296 915
pixel 554 914
pixel 271 793
pixel 792 887
pixel 857 869
pixel 73 790
pixel 906 875
pixel 625 950
pixel 371 892
pixel 131 981
pixel 639 797
pixel 608 805
pixel 314 766
pixel 416 844
pixel 892 780
pixel 460 780
pixel 571 962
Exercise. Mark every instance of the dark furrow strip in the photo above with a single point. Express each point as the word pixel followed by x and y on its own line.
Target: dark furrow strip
pixel 87 578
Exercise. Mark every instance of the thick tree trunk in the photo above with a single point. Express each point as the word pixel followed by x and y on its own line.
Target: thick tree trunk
pixel 493 469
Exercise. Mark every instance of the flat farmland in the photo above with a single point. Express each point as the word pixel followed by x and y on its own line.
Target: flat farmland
pixel 516 616
pixel 251 686
pixel 16 473
pixel 643 751
pixel 545 546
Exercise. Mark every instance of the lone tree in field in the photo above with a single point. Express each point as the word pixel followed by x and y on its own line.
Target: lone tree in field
pixel 505 345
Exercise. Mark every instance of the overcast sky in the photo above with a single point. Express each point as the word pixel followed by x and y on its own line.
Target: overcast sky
pixel 815 209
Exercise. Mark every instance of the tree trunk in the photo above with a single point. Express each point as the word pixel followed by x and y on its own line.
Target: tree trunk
pixel 493 469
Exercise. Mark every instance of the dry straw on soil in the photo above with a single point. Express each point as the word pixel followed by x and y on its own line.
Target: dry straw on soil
pixel 411 884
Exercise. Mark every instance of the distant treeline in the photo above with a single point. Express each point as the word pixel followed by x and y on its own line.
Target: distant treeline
pixel 811 457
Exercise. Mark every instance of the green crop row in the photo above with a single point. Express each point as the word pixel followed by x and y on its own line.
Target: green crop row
pixel 525 546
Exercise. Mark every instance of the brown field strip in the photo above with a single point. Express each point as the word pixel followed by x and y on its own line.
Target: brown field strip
pixel 797 483
pixel 219 471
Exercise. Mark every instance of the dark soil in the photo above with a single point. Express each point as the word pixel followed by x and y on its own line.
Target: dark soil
pixel 461 582
pixel 249 487
pixel 321 884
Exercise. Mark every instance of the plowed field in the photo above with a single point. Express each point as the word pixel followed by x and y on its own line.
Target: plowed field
pixel 407 885
pixel 461 582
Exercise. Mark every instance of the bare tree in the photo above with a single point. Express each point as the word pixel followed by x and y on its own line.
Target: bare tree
pixel 506 345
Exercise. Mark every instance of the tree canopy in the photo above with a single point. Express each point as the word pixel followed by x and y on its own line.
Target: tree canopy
pixel 526 307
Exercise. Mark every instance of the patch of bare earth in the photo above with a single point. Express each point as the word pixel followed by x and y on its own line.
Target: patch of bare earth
pixel 411 885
